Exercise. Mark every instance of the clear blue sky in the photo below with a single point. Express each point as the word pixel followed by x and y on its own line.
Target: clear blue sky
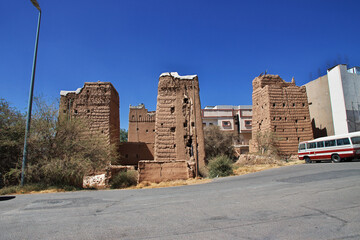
pixel 130 43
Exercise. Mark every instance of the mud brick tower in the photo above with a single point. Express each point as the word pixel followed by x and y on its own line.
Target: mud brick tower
pixel 141 124
pixel 178 124
pixel 282 108
pixel 98 104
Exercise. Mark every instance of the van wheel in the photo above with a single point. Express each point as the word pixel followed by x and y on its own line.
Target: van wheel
pixel 335 158
pixel 307 160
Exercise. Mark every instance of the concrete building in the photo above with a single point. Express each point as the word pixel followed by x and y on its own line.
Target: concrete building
pixel 334 101
pixel 280 108
pixel 236 119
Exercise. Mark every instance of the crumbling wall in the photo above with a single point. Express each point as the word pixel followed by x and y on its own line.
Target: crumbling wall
pixel 161 171
pixel 132 152
pixel 98 104
pixel 281 108
pixel 178 125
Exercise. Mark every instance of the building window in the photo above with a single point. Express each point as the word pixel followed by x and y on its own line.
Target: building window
pixel 296 121
pixel 303 104
pixel 247 123
pixel 146 131
pixel 274 104
pixel 226 124
pixel 283 104
pixel 64 111
pixel 132 117
pixel 293 104
pixel 172 129
pixel 153 130
pixel 75 111
pixel 172 109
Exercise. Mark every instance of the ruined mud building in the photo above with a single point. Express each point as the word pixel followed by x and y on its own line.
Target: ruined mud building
pixel 179 137
pixel 281 108
pixel 141 136
pixel 98 104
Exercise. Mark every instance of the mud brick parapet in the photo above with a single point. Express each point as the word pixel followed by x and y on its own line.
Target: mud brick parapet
pixel 161 171
pixel 178 124
pixel 98 104
pixel 141 124
pixel 282 108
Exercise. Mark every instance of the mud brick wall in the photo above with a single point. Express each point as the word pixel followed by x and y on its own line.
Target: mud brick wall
pixel 282 108
pixel 161 171
pixel 141 124
pixel 132 152
pixel 98 104
pixel 177 129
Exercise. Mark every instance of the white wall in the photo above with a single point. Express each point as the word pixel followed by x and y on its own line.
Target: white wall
pixel 337 99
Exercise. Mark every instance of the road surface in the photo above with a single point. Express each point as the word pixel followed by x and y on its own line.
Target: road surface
pixel 309 201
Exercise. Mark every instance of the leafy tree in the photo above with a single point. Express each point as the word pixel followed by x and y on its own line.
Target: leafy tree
pixel 218 142
pixel 12 128
pixel 60 152
pixel 123 135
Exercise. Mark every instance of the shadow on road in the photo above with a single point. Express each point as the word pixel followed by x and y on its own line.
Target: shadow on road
pixel 5 198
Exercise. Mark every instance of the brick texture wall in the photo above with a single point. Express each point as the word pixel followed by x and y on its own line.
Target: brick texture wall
pixel 98 104
pixel 282 108
pixel 178 125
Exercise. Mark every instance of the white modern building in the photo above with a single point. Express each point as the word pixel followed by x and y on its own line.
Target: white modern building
pixel 334 101
pixel 230 118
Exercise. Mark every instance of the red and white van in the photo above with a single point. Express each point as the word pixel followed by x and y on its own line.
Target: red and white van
pixel 336 148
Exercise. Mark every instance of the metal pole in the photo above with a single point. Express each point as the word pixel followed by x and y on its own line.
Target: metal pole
pixel 28 116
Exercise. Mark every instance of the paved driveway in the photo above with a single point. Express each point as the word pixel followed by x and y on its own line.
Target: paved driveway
pixel 313 201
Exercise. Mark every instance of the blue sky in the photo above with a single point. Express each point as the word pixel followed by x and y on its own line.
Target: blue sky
pixel 130 43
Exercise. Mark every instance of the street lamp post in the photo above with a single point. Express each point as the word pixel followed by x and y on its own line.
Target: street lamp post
pixel 28 116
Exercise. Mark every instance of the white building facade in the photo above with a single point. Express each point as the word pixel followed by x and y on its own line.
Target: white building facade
pixel 341 95
pixel 231 118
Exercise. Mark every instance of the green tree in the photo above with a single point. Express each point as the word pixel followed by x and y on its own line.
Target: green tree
pixel 60 152
pixel 123 135
pixel 12 128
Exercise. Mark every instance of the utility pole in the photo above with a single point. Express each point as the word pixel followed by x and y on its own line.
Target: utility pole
pixel 28 115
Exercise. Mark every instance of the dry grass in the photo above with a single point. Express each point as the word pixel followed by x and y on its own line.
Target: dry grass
pixel 247 165
pixel 175 183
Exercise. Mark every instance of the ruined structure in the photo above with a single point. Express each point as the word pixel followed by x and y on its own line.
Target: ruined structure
pixel 141 124
pixel 98 104
pixel 281 108
pixel 178 126
pixel 141 136
pixel 179 137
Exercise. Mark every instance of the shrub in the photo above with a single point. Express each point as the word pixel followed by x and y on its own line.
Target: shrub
pixel 218 142
pixel 124 179
pixel 220 166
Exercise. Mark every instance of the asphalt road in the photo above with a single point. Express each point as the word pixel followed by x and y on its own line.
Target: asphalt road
pixel 313 201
